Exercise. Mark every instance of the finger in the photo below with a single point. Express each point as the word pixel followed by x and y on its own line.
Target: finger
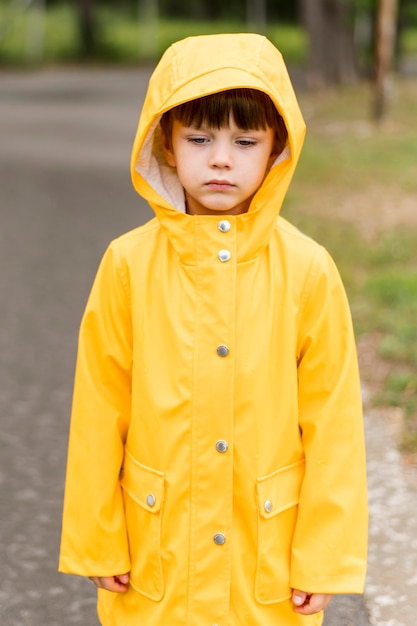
pixel 110 583
pixel 314 603
pixel 123 578
pixel 117 585
pixel 299 597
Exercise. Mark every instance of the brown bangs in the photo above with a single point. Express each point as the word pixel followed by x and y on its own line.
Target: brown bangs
pixel 250 109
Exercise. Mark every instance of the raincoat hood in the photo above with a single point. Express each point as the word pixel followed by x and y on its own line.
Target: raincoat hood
pixel 196 67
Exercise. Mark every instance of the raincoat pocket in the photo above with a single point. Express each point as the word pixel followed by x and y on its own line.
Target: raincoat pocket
pixel 277 504
pixel 144 489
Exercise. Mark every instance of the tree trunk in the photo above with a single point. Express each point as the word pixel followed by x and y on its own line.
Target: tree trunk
pixel 256 15
pixel 199 10
pixel 330 28
pixel 386 26
pixel 36 31
pixel 87 28
pixel 148 28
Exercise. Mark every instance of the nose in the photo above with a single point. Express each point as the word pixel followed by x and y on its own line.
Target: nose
pixel 221 155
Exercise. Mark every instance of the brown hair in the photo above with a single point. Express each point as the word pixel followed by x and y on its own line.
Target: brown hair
pixel 250 109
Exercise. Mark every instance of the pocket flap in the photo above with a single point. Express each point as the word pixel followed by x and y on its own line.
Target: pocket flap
pixel 146 486
pixel 280 490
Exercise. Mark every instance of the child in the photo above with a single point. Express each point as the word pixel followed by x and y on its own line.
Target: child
pixel 216 471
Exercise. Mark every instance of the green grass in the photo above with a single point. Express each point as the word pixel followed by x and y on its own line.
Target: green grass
pixel 409 41
pixel 348 169
pixel 344 146
pixel 381 282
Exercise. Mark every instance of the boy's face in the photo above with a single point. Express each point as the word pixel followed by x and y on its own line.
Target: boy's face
pixel 220 169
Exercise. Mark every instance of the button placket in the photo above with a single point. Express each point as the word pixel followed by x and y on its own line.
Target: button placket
pixel 219 247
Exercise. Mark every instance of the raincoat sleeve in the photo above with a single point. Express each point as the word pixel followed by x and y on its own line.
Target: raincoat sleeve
pixel 94 540
pixel 330 540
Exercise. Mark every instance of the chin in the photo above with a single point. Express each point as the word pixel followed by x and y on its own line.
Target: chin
pixel 221 209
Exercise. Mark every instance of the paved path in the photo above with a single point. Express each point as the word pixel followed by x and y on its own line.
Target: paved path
pixel 65 191
pixel 392 568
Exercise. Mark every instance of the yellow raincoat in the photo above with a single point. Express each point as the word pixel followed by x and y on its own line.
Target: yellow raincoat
pixel 216 448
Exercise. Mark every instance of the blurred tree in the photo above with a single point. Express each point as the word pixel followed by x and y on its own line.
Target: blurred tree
pixel 256 15
pixel 407 17
pixel 330 28
pixel 283 11
pixel 148 27
pixel 199 10
pixel 277 10
pixel 36 31
pixel 385 31
pixel 87 26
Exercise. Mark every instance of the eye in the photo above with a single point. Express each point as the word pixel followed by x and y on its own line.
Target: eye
pixel 197 140
pixel 246 143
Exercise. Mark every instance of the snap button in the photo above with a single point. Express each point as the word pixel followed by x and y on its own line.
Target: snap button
pixel 268 506
pixel 224 226
pixel 222 446
pixel 219 539
pixel 224 256
pixel 222 350
pixel 150 499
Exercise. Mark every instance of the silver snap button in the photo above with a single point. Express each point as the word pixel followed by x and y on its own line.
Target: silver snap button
pixel 150 499
pixel 224 256
pixel 224 226
pixel 268 506
pixel 222 350
pixel 222 446
pixel 219 539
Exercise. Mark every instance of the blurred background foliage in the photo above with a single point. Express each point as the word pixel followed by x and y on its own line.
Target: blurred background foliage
pixel 140 30
pixel 110 30
pixel 355 190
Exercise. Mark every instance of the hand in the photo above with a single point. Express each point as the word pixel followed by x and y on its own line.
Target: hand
pixel 310 603
pixel 117 584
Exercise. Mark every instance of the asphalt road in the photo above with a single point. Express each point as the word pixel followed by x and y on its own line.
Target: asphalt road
pixel 65 192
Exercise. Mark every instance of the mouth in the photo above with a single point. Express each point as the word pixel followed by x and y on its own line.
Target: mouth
pixel 220 185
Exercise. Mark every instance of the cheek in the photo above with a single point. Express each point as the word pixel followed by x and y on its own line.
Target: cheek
pixel 185 173
pixel 258 174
